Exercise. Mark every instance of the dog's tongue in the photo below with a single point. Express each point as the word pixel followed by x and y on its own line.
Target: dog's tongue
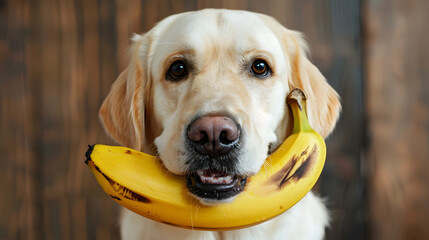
pixel 214 177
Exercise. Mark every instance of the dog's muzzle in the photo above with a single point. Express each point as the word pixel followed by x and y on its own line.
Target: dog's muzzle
pixel 213 141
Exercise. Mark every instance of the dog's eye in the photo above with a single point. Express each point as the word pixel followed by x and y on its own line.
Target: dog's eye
pixel 177 70
pixel 260 68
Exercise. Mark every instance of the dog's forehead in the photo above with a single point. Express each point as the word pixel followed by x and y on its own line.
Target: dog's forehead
pixel 238 31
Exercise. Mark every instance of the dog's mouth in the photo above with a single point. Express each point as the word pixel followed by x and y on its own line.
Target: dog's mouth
pixel 214 185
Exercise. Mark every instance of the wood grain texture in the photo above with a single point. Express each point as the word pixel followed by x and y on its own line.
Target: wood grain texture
pixel 397 93
pixel 58 59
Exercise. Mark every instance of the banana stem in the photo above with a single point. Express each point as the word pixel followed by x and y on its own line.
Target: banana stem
pixel 297 101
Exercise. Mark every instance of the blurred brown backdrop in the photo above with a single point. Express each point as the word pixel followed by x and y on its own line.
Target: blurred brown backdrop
pixel 58 59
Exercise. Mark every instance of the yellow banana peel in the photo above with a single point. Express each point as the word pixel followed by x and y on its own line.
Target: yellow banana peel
pixel 141 183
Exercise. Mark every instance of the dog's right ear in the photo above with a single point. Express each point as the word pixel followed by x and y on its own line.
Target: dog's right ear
pixel 122 112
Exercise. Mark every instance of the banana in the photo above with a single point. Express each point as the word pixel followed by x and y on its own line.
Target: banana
pixel 141 183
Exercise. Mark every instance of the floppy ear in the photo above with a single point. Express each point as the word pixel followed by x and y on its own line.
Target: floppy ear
pixel 323 104
pixel 122 112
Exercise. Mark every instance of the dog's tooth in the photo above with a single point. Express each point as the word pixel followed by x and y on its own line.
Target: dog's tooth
pixel 213 179
pixel 203 178
pixel 228 179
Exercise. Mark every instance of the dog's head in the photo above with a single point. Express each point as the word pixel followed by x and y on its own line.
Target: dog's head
pixel 206 91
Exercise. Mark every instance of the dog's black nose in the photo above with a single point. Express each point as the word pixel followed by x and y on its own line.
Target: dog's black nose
pixel 214 135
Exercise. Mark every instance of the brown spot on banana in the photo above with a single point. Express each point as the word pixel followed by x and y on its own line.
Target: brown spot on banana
pixel 125 192
pixel 298 167
pixel 119 189
pixel 115 197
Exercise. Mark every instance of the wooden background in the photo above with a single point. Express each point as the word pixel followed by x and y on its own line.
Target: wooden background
pixel 58 59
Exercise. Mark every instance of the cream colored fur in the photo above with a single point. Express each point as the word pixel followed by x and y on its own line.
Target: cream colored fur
pixel 148 112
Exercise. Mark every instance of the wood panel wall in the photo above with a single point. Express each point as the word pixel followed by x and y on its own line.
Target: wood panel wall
pixel 58 59
pixel 397 100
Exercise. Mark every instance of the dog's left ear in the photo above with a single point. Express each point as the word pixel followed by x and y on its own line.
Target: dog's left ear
pixel 323 104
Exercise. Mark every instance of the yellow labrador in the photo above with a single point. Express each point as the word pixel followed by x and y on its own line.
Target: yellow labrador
pixel 206 92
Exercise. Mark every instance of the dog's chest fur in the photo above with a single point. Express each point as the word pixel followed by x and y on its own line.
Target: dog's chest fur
pixel 307 220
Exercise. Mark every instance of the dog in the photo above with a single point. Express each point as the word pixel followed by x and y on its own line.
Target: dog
pixel 206 92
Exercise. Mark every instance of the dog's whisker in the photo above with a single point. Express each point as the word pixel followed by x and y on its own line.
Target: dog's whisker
pixel 266 166
pixel 196 205
pixel 170 43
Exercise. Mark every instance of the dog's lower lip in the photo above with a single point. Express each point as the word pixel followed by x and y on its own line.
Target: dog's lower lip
pixel 215 191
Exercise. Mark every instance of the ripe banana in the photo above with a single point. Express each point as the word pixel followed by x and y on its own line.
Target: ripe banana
pixel 140 182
